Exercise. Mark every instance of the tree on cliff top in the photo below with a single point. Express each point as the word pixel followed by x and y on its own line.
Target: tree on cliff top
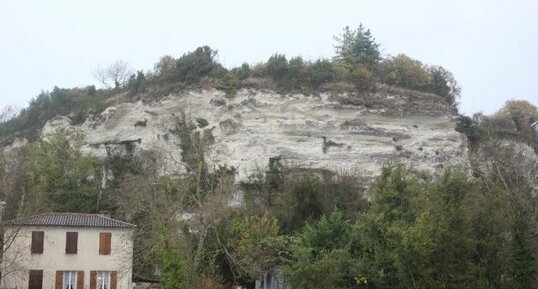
pixel 357 47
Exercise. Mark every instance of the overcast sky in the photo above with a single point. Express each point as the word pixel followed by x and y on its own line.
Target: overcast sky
pixel 491 46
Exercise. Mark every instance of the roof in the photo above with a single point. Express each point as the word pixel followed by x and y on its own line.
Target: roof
pixel 70 220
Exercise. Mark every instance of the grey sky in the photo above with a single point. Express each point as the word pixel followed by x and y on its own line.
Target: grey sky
pixel 490 46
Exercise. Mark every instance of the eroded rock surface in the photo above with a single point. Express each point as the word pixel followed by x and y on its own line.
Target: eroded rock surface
pixel 315 132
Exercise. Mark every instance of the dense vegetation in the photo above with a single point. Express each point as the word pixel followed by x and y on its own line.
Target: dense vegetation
pixel 357 66
pixel 453 230
pixel 512 122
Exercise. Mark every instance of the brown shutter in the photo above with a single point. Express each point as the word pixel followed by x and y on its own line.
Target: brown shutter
pixel 93 279
pixel 35 280
pixel 108 243
pixel 101 243
pixel 104 243
pixel 37 242
pixel 71 242
pixel 59 280
pixel 113 279
pixel 80 280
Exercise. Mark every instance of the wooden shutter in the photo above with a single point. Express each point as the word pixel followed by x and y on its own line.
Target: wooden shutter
pixel 93 279
pixel 113 279
pixel 35 280
pixel 37 242
pixel 59 280
pixel 71 242
pixel 105 242
pixel 80 280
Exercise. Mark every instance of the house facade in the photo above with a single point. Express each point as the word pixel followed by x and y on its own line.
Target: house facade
pixel 67 251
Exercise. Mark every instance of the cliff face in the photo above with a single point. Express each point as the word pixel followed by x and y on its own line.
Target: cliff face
pixel 331 131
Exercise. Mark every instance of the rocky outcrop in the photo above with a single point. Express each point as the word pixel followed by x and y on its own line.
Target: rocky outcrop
pixel 327 131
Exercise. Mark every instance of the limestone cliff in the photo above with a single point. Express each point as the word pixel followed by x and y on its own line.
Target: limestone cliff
pixel 329 131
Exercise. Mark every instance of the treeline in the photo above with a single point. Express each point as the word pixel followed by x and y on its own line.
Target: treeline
pixel 77 103
pixel 357 66
pixel 513 122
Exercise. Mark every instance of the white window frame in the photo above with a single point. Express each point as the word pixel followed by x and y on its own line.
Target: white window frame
pixel 69 279
pixel 103 279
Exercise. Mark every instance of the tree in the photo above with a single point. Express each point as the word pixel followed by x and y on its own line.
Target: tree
pixel 356 47
pixel 192 66
pixel 64 180
pixel 178 213
pixel 115 75
pixel 165 65
pixel 253 245
pixel 321 71
pixel 277 68
pixel 441 247
pixel 403 71
pixel 392 209
pixel 323 255
pixel 443 83
pixel 519 114
pixel 135 83
pixel 299 203
pixel 8 112
pixel 14 179
pixel 508 170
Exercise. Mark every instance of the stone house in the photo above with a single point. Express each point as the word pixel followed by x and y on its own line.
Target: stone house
pixel 67 251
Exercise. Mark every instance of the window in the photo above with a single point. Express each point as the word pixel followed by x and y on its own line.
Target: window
pixel 71 242
pixel 37 242
pixel 103 280
pixel 105 243
pixel 35 280
pixel 70 280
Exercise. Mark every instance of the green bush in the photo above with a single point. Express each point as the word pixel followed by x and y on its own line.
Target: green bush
pixel 362 78
pixel 403 71
pixel 241 72
pixel 192 66
pixel 229 84
pixel 276 67
pixel 136 81
pixel 321 71
pixel 324 255
pixel 443 83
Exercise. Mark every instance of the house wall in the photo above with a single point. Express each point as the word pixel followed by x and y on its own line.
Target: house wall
pixel 18 260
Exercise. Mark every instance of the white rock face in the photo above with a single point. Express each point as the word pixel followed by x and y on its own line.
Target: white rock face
pixel 256 125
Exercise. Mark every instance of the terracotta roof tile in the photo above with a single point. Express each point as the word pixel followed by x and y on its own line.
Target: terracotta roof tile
pixel 70 220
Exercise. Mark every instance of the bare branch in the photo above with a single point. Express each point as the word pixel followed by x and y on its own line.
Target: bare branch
pixel 115 75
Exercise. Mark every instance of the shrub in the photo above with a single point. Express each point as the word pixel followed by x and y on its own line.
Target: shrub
pixel 403 71
pixel 443 83
pixel 136 81
pixel 300 203
pixel 321 71
pixel 241 72
pixel 276 67
pixel 165 66
pixel 202 122
pixel 192 66
pixel 229 84
pixel 296 72
pixel 362 78
pixel 141 123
